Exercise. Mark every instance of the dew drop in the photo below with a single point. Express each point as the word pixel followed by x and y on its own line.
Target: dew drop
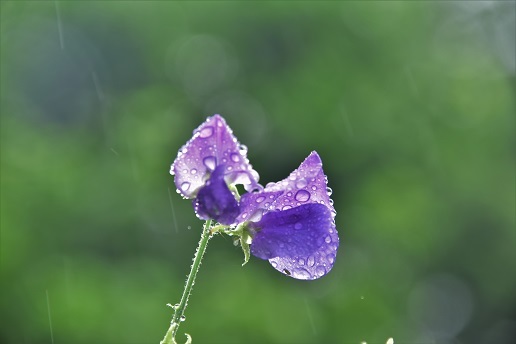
pixel 330 258
pixel 327 239
pixel 193 171
pixel 183 318
pixel 185 186
pixel 301 273
pixel 302 196
pixel 274 264
pixel 286 207
pixel 260 199
pixel 329 191
pixel 301 183
pixel 235 157
pixel 266 204
pixel 298 226
pixel 314 187
pixel 311 261
pixel 210 162
pixel 301 261
pixel 320 270
pixel 206 132
pixel 286 272
pixel 244 215
pixel 289 194
pixel 185 171
pixel 243 149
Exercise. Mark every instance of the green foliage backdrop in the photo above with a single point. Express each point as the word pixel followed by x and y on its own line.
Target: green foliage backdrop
pixel 410 105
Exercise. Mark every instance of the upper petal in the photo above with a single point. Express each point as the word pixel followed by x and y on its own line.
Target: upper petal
pixel 212 144
pixel 306 184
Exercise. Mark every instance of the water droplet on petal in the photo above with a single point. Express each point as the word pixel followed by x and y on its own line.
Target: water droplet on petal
pixel 206 132
pixel 185 171
pixel 311 261
pixel 330 258
pixel 183 318
pixel 185 186
pixel 329 191
pixel 274 264
pixel 298 226
pixel 327 239
pixel 302 196
pixel 301 183
pixel 193 171
pixel 286 207
pixel 314 187
pixel 235 157
pixel 260 199
pixel 320 270
pixel 301 261
pixel 210 162
pixel 301 273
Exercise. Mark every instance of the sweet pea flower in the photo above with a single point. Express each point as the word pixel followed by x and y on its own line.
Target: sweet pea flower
pixel 296 232
pixel 210 161
pixel 289 223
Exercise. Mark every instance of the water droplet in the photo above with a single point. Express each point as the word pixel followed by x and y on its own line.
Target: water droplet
pixel 206 132
pixel 329 191
pixel 361 297
pixel 286 207
pixel 244 215
pixel 298 226
pixel 229 168
pixel 242 149
pixel 286 272
pixel 301 273
pixel 289 194
pixel 183 318
pixel 260 199
pixel 301 183
pixel 311 261
pixel 193 171
pixel 210 162
pixel 320 270
pixel 327 239
pixel 235 157
pixel 274 264
pixel 302 196
pixel 266 204
pixel 330 258
pixel 185 171
pixel 185 186
pixel 314 187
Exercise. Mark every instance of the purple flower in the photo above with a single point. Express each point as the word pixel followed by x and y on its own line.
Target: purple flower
pixel 290 223
pixel 205 166
pixel 296 230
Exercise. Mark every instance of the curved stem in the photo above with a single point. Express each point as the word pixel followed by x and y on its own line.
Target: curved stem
pixel 180 308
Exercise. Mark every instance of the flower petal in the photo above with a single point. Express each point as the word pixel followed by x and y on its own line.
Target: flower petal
pixel 253 204
pixel 306 184
pixel 215 201
pixel 300 242
pixel 212 144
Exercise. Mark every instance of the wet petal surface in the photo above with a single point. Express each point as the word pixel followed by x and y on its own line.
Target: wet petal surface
pixel 212 144
pixel 307 184
pixel 300 242
pixel 215 201
pixel 253 205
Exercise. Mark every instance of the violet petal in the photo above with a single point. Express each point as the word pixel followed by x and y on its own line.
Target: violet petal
pixel 254 204
pixel 212 144
pixel 300 242
pixel 215 201
pixel 306 184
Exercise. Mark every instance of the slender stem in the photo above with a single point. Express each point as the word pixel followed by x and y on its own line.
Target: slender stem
pixel 180 308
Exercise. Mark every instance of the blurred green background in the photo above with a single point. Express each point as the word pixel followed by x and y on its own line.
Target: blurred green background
pixel 410 105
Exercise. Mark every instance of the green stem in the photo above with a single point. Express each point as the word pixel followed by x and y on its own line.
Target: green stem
pixel 190 281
